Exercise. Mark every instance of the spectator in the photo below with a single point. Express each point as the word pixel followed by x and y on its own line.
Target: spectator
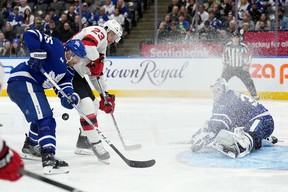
pixel 231 28
pixel 265 23
pixel 101 17
pixel 23 6
pixel 183 11
pixel 62 20
pixel 71 14
pixel 28 17
pixel 67 32
pixel 242 8
pixel 2 40
pixel 109 7
pixel 53 31
pixel 5 52
pixel 197 24
pixel 246 18
pixel 75 25
pixel 15 18
pixel 53 15
pixel 45 24
pixel 16 49
pixel 37 25
pixel 208 5
pixel 283 20
pixel 226 20
pixel 8 32
pixel 174 14
pixel 214 22
pixel 255 13
pixel 87 16
pixel 172 4
pixel 227 6
pixel 203 14
pixel 191 8
pixel 182 25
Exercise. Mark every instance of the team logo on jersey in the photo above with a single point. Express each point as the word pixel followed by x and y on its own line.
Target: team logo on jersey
pixel 47 84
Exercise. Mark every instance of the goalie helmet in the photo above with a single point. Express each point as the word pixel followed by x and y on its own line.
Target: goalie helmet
pixel 77 47
pixel 219 87
pixel 113 25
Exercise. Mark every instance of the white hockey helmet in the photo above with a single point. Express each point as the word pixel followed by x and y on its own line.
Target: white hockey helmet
pixel 113 25
pixel 219 87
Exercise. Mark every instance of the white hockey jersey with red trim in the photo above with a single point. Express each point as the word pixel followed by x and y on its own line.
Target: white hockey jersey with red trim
pixel 95 41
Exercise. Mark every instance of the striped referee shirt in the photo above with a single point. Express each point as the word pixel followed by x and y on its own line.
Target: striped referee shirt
pixel 236 55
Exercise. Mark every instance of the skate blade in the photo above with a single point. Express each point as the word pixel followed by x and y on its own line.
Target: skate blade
pixel 105 161
pixel 49 170
pixel 79 151
pixel 30 157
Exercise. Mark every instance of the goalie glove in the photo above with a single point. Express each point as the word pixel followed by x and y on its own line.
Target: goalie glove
pixel 10 162
pixel 202 138
pixel 110 105
pixel 96 67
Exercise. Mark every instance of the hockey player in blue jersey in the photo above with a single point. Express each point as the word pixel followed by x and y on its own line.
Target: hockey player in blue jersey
pixel 238 123
pixel 26 86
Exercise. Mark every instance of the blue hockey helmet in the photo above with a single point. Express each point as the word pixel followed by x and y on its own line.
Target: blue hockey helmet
pixel 77 47
pixel 219 87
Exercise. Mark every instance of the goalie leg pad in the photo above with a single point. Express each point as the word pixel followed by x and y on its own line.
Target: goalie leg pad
pixel 237 144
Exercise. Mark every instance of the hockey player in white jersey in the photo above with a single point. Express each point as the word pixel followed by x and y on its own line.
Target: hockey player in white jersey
pixel 95 39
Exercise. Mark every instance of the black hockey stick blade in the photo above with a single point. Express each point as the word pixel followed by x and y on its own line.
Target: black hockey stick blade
pixel 49 181
pixel 133 163
pixel 132 147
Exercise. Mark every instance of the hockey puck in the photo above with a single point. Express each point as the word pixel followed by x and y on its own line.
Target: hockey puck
pixel 1 125
pixel 65 116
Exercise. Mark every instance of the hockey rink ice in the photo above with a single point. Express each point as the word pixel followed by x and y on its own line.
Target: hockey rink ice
pixel 164 127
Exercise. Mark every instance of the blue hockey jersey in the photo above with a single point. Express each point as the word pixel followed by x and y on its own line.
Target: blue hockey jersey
pixel 55 63
pixel 234 109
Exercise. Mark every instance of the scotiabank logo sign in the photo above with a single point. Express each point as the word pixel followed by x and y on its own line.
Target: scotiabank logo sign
pixel 270 71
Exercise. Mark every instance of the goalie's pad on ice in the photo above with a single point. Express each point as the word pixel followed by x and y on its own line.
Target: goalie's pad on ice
pixel 237 144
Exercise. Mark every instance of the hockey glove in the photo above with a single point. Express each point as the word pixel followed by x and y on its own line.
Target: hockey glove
pixel 37 59
pixel 72 99
pixel 96 67
pixel 110 105
pixel 10 162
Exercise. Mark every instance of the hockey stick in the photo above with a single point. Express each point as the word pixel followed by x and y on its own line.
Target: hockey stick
pixel 131 163
pixel 49 181
pixel 126 147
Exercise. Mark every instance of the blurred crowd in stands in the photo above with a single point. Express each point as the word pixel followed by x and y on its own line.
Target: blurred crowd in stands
pixel 61 19
pixel 190 21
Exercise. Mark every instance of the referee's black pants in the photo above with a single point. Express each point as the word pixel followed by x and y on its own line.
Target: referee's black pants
pixel 245 76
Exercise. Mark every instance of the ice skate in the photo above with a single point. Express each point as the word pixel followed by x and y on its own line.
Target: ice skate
pixel 83 146
pixel 52 165
pixel 100 152
pixel 29 151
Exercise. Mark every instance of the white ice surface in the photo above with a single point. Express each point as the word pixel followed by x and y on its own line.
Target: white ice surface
pixel 162 126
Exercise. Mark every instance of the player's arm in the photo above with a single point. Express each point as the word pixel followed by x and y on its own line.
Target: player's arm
pixel 33 40
pixel 10 162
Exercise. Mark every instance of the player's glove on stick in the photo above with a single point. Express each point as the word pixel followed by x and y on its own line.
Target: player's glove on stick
pixel 37 59
pixel 10 162
pixel 96 67
pixel 110 105
pixel 72 99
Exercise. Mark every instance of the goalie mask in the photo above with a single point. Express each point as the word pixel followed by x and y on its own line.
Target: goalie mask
pixel 114 26
pixel 219 87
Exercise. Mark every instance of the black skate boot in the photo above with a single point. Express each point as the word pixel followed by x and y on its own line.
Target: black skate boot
pixel 100 152
pixel 53 165
pixel 31 152
pixel 83 146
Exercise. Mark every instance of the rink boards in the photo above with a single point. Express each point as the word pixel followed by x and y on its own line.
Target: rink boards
pixel 181 77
